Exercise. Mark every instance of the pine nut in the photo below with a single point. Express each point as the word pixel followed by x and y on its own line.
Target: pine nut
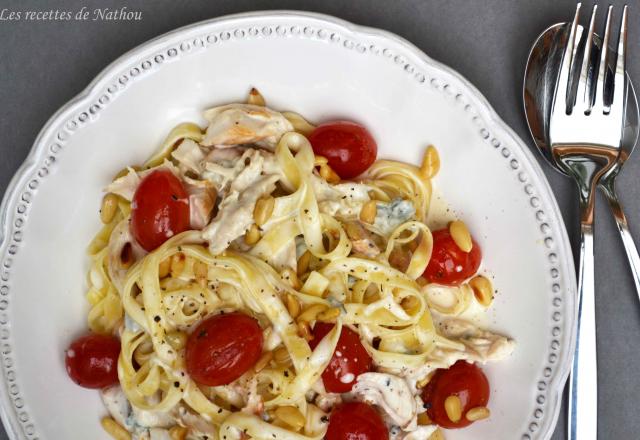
pixel 164 268
pixel 177 340
pixel 252 236
pixel 282 357
pixel 424 419
pixel 399 259
pixel 478 413
pixel 291 416
pixel 329 315
pixel 422 281
pixel 108 208
pixel 437 435
pixel 255 98
pixel 303 263
pixel 304 331
pixel 310 313
pixel 114 429
pixel 368 212
pixel 423 382
pixel 430 163
pixel 263 361
pixel 461 235
pixel 482 290
pixel 263 210
pixel 410 304
pixel 328 174
pixel 293 305
pixel 453 408
pixel 291 278
pixel 178 262
pixel 200 270
pixel 178 433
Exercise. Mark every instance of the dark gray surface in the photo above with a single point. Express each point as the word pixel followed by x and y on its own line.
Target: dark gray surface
pixel 45 63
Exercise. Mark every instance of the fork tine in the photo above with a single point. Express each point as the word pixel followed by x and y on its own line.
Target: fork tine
pixel 619 79
pixel 602 67
pixel 561 95
pixel 583 96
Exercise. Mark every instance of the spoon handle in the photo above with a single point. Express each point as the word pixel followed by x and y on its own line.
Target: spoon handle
pixel 608 189
pixel 583 383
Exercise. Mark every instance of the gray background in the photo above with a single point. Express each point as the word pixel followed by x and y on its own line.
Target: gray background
pixel 44 64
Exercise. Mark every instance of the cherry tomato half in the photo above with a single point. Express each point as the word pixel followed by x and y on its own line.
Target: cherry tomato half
pixel 449 264
pixel 348 362
pixel 349 147
pixel 92 361
pixel 160 209
pixel 356 421
pixel 462 379
pixel 222 348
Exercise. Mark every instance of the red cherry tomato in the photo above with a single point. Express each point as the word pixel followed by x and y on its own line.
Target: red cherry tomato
pixel 222 348
pixel 160 209
pixel 356 421
pixel 449 264
pixel 348 362
pixel 349 147
pixel 92 361
pixel 462 379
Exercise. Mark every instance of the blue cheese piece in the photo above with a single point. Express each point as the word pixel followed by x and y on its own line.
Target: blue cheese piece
pixel 391 215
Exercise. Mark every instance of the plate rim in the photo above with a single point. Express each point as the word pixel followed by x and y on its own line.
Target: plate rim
pixel 554 383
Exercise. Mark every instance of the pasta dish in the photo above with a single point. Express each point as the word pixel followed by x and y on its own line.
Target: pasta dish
pixel 267 278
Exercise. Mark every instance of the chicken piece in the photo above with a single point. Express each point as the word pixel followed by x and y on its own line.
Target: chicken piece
pixel 390 393
pixel 202 200
pixel 189 156
pixel 241 124
pixel 125 186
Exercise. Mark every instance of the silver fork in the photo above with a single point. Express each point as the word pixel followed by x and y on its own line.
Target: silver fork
pixel 585 132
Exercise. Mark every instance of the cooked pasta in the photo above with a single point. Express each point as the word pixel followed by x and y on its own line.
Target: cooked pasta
pixel 275 235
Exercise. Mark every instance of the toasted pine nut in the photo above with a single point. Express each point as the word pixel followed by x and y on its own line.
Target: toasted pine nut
pixel 114 429
pixel 200 270
pixel 453 408
pixel 399 259
pixel 482 290
pixel 430 163
pixel 293 305
pixel 108 208
pixel 478 413
pixel 177 339
pixel 328 315
pixel 282 357
pixel 310 313
pixel 368 212
pixel 410 304
pixel 178 433
pixel 424 419
pixel 263 361
pixel 320 160
pixel 263 210
pixel 461 235
pixel 423 382
pixel 291 416
pixel 328 174
pixel 255 98
pixel 178 262
pixel 437 435
pixel 303 263
pixel 304 331
pixel 422 281
pixel 291 278
pixel 164 268
pixel 253 235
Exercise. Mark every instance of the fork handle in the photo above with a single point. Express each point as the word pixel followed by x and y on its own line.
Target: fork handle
pixel 630 248
pixel 583 383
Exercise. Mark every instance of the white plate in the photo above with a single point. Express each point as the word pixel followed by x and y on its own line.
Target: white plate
pixel 323 68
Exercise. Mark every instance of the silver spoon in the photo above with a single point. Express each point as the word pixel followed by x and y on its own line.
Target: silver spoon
pixel 539 82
